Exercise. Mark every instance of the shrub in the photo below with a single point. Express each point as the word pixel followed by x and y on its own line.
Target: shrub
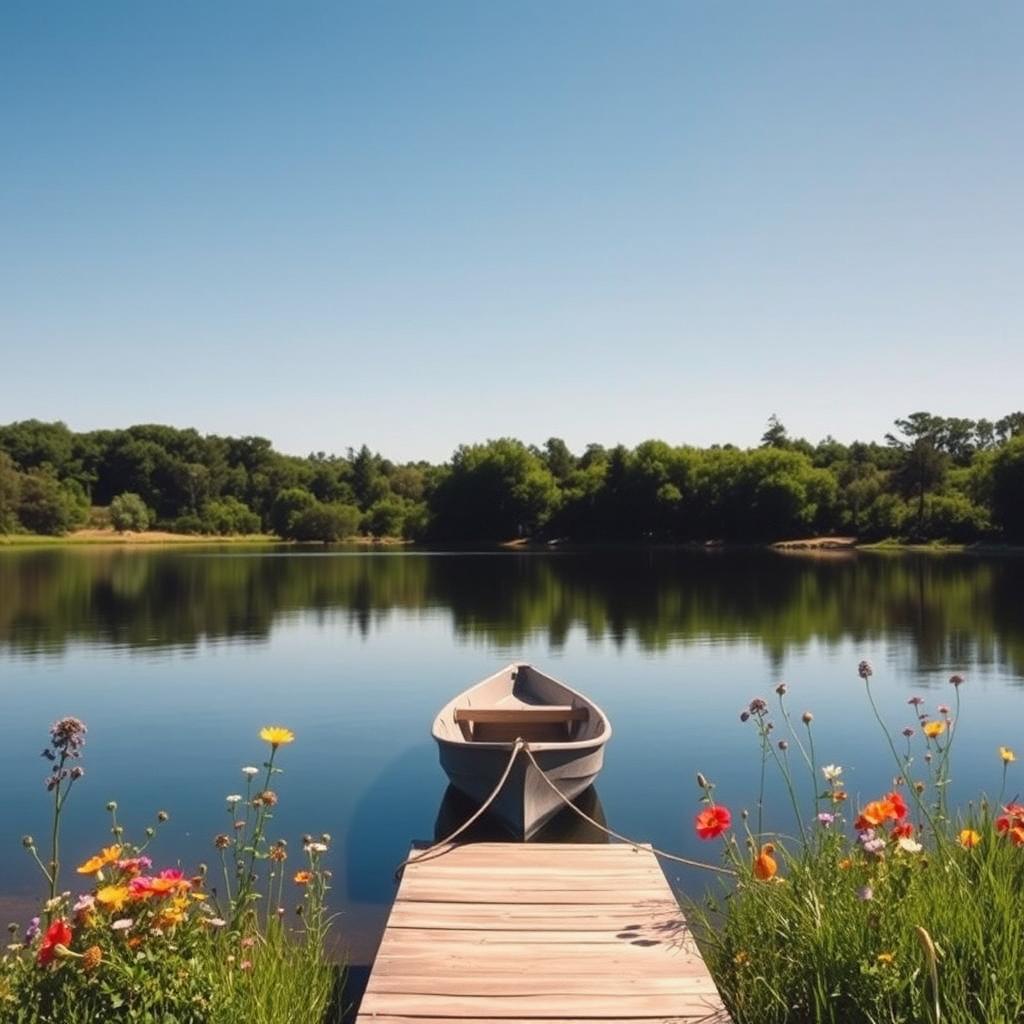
pixel 128 512
pixel 150 945
pixel 327 522
pixel 902 911
pixel 229 516
pixel 46 506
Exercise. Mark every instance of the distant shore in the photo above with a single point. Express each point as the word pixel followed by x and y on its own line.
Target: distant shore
pixel 165 537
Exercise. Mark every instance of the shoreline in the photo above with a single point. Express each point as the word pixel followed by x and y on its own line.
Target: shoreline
pixel 157 538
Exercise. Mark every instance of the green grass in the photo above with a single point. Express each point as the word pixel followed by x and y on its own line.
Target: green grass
pixel 860 923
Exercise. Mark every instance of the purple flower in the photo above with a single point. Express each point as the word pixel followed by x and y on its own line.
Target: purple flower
pixel 915 701
pixel 67 736
pixel 32 931
pixel 908 732
pixel 943 709
pixel 865 893
pixel 865 671
pixel 826 819
pixel 956 679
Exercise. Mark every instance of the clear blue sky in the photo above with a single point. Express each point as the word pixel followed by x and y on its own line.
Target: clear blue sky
pixel 415 224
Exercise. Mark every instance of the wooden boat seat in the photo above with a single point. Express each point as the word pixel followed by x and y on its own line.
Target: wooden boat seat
pixel 541 723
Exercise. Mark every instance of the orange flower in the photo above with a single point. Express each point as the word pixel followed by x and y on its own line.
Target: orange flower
pixel 845 864
pixel 100 861
pixel 969 838
pixel 1017 835
pixel 712 822
pixel 92 958
pixel 764 863
pixel 933 729
pixel 303 877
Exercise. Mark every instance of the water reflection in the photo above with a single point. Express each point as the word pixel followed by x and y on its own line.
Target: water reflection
pixel 956 609
pixel 564 827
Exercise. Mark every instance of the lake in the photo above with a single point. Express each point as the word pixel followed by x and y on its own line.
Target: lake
pixel 175 657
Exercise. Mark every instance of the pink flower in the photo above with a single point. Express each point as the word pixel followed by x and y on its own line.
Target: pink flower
pixel 172 874
pixel 246 965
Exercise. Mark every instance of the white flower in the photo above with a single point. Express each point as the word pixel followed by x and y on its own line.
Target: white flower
pixel 216 922
pixel 233 799
pixel 831 772
pixel 250 771
pixel 909 845
pixel 123 924
pixel 317 847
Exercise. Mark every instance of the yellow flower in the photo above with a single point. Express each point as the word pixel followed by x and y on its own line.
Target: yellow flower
pixel 969 838
pixel 885 958
pixel 1007 755
pixel 933 729
pixel 741 958
pixel 276 735
pixel 845 864
pixel 113 897
pixel 101 860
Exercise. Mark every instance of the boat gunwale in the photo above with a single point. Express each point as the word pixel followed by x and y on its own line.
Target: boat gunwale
pixel 593 742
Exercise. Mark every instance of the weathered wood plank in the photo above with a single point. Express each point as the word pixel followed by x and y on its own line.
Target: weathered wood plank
pixel 517 934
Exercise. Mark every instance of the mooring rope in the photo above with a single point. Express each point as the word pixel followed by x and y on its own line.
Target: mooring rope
pixel 439 848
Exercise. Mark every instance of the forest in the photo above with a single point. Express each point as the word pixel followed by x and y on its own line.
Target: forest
pixel 934 478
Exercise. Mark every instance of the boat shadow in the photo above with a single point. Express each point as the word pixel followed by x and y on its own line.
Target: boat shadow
pixel 564 827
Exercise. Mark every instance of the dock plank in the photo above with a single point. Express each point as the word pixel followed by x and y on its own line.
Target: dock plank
pixel 516 933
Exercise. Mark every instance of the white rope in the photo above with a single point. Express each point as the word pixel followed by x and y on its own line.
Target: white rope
pixel 435 847
pixel 617 835
pixel 442 845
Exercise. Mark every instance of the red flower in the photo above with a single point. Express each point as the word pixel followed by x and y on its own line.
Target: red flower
pixel 904 831
pixel 58 934
pixel 712 822
pixel 1012 817
pixel 899 806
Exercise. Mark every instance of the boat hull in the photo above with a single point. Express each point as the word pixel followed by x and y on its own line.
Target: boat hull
pixel 526 803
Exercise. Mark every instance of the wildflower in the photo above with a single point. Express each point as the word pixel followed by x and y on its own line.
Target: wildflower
pixel 216 922
pixel 933 729
pixel 95 864
pixel 84 904
pixel 915 702
pixel 825 819
pixel 908 732
pixel 248 942
pixel 838 796
pixel 969 838
pixel 91 958
pixel 58 934
pixel 67 736
pixel 831 772
pixel 233 799
pixel 744 716
pixel 908 845
pixel 1007 755
pixel 113 897
pixel 741 958
pixel 134 865
pixel 162 816
pixel 765 866
pixel 1017 835
pixel 865 671
pixel 898 805
pixel 123 924
pixel 902 831
pixel 781 689
pixel 268 798
pixel 28 842
pixel 32 931
pixel 250 771
pixel 845 864
pixel 956 679
pixel 276 735
pixel 303 877
pixel 783 745
pixel 322 847
pixel 278 854
pixel 865 893
pixel 758 706
pixel 222 842
pixel 885 959
pixel 807 718
pixel 943 709
pixel 919 787
pixel 712 822
pixel 245 965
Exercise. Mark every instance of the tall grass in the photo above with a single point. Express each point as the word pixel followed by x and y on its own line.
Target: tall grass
pixel 901 911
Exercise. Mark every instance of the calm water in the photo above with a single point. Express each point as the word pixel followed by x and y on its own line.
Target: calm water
pixel 175 658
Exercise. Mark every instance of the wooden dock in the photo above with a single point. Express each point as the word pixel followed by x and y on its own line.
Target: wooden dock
pixel 504 932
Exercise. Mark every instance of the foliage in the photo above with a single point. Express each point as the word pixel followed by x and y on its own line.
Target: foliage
pixel 149 945
pixel 938 477
pixel 128 512
pixel 902 911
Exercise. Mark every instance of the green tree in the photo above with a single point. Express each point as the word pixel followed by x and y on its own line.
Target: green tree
pixel 10 494
pixel 287 504
pixel 1007 488
pixel 128 512
pixel 923 465
pixel 45 506
pixel 327 522
pixel 228 516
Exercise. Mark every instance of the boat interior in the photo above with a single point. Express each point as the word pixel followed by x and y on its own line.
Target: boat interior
pixel 521 702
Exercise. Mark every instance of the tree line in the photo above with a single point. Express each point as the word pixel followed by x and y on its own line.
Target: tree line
pixel 934 478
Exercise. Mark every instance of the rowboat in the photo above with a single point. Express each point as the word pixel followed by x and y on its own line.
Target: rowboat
pixel 566 732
